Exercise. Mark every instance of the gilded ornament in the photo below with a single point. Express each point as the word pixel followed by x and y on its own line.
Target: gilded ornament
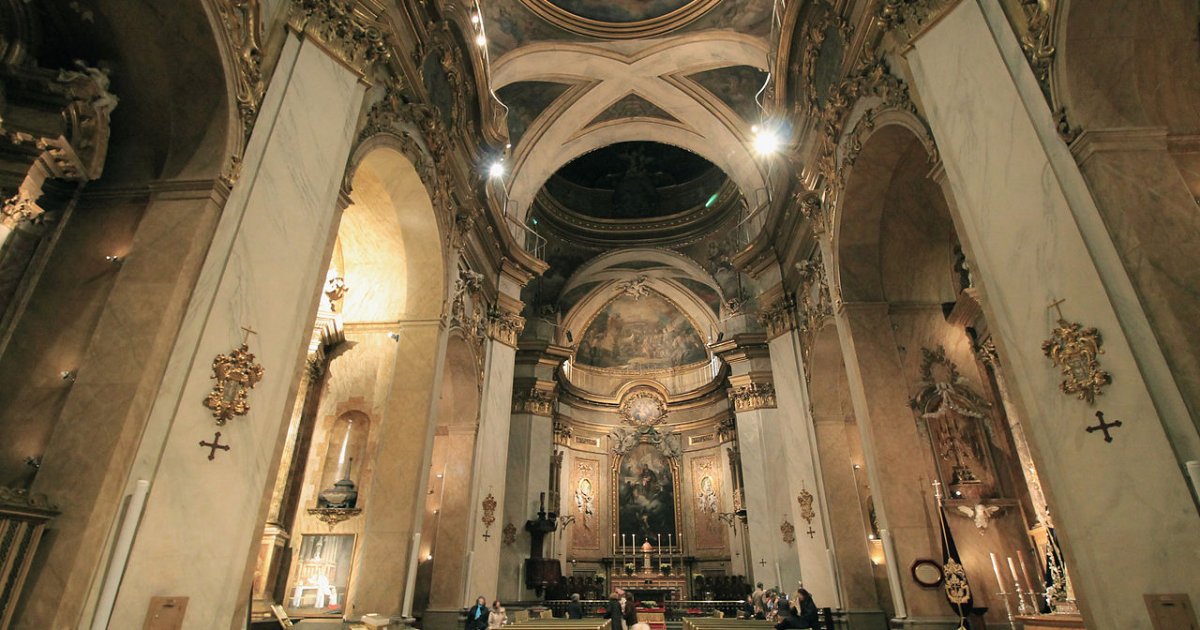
pixel 643 408
pixel 332 516
pixel 957 589
pixel 1076 351
pixel 806 506
pixel 789 532
pixel 489 514
pixel 753 396
pixel 508 535
pixel 235 374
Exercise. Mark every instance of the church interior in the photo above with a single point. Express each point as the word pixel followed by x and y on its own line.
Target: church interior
pixel 344 313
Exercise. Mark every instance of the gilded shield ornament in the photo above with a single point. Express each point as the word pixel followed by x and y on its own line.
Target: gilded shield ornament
pixel 957 589
pixel 235 374
pixel 805 499
pixel 1076 351
pixel 789 532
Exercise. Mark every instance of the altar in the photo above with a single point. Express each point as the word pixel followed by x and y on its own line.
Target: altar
pixel 652 587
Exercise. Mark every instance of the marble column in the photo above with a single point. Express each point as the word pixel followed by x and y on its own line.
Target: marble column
pixel 899 464
pixel 1126 518
pixel 202 517
pixel 491 450
pixel 762 447
pixel 530 448
pixel 803 477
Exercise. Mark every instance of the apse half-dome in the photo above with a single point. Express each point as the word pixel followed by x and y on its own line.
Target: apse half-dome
pixel 640 334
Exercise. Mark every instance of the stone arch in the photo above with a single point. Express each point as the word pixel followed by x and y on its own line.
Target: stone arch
pixel 893 238
pixel 1120 65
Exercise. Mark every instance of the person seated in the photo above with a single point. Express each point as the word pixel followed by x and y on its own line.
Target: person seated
pixel 748 607
pixel 800 614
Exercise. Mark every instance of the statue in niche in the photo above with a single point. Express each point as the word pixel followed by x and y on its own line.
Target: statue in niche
pixel 585 502
pixel 953 411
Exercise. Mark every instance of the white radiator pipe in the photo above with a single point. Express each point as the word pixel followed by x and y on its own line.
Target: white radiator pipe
pixel 120 555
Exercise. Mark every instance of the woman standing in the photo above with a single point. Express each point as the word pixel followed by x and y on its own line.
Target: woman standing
pixel 477 615
pixel 575 608
pixel 498 617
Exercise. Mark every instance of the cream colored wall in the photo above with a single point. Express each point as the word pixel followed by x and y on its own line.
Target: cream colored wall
pixel 1123 509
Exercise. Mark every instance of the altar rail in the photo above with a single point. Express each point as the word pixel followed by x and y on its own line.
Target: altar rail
pixel 23 518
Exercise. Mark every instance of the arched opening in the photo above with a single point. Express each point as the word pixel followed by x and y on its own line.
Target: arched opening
pixel 913 328
pixel 373 358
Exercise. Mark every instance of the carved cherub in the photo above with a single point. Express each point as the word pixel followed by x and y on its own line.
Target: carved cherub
pixel 981 514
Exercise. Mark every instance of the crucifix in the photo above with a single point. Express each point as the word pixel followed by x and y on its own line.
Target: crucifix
pixel 214 445
pixel 762 562
pixel 810 532
pixel 487 535
pixel 246 337
pixel 1104 426
pixel 1055 305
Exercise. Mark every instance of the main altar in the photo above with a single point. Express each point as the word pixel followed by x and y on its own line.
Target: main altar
pixel 651 574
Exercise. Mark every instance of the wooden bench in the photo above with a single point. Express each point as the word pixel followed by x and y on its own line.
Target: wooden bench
pixel 553 623
pixel 825 621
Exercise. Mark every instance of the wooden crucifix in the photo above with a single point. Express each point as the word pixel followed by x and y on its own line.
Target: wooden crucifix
pixel 811 532
pixel 214 445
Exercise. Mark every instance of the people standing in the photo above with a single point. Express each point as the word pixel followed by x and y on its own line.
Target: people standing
pixel 630 609
pixel 574 609
pixel 498 617
pixel 614 612
pixel 757 598
pixel 477 615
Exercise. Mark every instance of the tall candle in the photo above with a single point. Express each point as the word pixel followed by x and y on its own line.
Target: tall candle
pixel 1012 569
pixel 996 570
pixel 1025 572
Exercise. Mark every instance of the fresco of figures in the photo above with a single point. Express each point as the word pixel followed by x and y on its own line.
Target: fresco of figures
pixel 646 495
pixel 644 333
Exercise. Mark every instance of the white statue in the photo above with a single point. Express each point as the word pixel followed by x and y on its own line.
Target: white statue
pixel 981 514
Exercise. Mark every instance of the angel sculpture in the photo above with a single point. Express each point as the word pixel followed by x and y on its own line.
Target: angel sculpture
pixel 981 514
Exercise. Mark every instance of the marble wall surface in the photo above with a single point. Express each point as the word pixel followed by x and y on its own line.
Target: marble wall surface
pixel 1124 510
pixel 283 209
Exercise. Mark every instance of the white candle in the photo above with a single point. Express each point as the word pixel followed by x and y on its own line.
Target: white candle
pixel 1012 569
pixel 996 569
pixel 1025 572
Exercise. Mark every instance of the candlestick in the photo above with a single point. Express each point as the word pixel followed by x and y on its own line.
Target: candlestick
pixel 1021 610
pixel 1028 583
pixel 996 570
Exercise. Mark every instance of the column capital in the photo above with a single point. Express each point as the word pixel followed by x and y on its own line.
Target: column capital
pixel 741 347
pixel 505 327
pixel 537 399
pixel 751 392
pixel 351 36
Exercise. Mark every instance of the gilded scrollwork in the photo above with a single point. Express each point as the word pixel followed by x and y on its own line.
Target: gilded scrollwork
pixel 355 37
pixel 643 408
pixel 242 23
pixel 235 374
pixel 505 326
pixel 535 400
pixel 779 317
pixel 1076 351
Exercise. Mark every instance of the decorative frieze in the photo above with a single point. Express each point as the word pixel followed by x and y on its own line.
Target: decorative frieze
pixel 539 402
pixel 241 22
pixel 505 327
pixel 752 396
pixel 352 36
pixel 780 316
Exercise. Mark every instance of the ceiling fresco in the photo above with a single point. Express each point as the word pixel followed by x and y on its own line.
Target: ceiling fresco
pixel 632 106
pixel 640 333
pixel 525 101
pixel 620 10
pixel 737 87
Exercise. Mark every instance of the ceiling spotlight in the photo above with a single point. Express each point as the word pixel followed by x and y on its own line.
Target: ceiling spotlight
pixel 766 141
pixel 496 170
pixel 114 260
pixel 474 18
pixel 67 375
pixel 481 39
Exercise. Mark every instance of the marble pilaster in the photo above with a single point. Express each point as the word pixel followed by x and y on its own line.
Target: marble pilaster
pixel 1123 509
pixel 268 248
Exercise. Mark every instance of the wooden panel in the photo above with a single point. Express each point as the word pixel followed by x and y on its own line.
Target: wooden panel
pixel 165 613
pixel 1171 611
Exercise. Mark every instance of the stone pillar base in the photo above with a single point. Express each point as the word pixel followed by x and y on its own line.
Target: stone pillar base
pixel 442 620
pixel 925 623
pixel 866 620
